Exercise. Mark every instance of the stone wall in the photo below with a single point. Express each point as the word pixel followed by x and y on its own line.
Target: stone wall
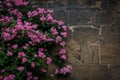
pixel 94 36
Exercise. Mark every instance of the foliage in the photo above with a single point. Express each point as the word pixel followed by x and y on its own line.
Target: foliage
pixel 27 36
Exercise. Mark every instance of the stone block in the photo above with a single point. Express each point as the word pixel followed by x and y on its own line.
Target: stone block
pixel 110 34
pixel 75 17
pixel 73 5
pixel 82 54
pixel 90 72
pixel 103 17
pixel 115 72
pixel 89 53
pixel 50 4
pixel 60 14
pixel 86 34
pixel 109 4
pixel 110 54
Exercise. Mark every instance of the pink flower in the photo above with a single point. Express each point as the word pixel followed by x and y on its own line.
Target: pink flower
pixel 29 73
pixel 6 78
pixel 29 14
pixel 69 67
pixel 35 78
pixel 32 64
pixel 56 71
pixel 41 49
pixel 19 15
pixel 54 31
pixel 66 69
pixel 1 77
pixel 3 71
pixel 21 54
pixel 24 60
pixel 21 68
pixel 9 4
pixel 42 18
pixel 63 57
pixel 21 2
pixel 60 22
pixel 43 70
pixel 11 77
pixel 9 53
pixel 41 10
pixel 62 43
pixel 64 28
pixel 49 60
pixel 7 36
pixel 24 47
pixel 51 75
pixel 29 77
pixel 64 34
pixel 15 46
pixel 35 55
pixel 41 54
pixel 32 13
pixel 49 39
pixel 49 17
pixel 62 51
pixel 50 11
pixel 58 39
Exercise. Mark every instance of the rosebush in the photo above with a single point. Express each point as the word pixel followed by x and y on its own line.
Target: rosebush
pixel 27 36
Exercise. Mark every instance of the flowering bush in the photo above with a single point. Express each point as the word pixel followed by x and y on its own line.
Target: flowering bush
pixel 27 36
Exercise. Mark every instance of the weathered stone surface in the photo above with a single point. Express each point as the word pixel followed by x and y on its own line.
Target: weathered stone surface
pixel 73 52
pixel 90 2
pixel 54 4
pixel 89 53
pixel 50 3
pixel 82 54
pixel 90 72
pixel 69 34
pixel 117 8
pixel 75 17
pixel 60 14
pixel 115 71
pixel 110 34
pixel 103 17
pixel 110 54
pixel 109 5
pixel 85 34
pixel 73 4
pixel 116 20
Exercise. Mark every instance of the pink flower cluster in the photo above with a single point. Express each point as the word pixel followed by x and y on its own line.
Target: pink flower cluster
pixel 32 13
pixel 66 70
pixel 20 2
pixel 62 53
pixel 28 38
pixel 5 19
pixel 20 68
pixel 41 53
pixel 10 77
pixel 15 12
pixel 30 76
pixel 49 60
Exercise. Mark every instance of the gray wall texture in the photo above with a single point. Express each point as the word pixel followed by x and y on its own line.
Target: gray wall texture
pixel 94 36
